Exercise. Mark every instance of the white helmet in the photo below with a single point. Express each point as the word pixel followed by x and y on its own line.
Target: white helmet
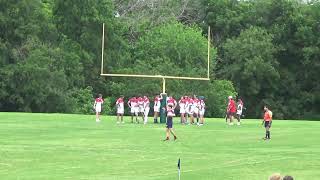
pixel 230 97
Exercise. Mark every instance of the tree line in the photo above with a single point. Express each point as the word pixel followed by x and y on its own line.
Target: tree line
pixel 264 51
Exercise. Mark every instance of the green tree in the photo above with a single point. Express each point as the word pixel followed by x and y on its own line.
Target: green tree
pixel 250 64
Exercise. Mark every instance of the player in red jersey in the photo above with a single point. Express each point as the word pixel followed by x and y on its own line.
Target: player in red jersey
pixel 98 106
pixel 120 109
pixel 231 110
pixel 156 108
pixel 267 121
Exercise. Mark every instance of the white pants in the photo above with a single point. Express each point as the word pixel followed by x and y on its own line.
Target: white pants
pixel 136 110
pixel 182 110
pixel 98 109
pixel 201 112
pixel 196 110
pixel 191 110
pixel 156 108
pixel 239 112
pixel 146 112
pixel 141 109
pixel 120 110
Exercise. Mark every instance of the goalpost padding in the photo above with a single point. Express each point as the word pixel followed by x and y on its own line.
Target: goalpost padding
pixel 163 104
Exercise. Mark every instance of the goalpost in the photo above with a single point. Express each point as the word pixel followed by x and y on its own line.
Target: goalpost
pixel 163 77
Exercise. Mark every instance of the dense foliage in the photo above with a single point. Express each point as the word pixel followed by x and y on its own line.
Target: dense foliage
pixel 266 51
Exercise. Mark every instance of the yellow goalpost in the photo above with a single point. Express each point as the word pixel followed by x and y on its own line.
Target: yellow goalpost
pixel 163 77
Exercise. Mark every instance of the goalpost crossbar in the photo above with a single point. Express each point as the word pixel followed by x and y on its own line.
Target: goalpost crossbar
pixel 163 77
pixel 155 76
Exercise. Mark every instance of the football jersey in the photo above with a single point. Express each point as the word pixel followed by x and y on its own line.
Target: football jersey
pixel 182 102
pixel 232 106
pixel 202 105
pixel 157 101
pixel 171 101
pixel 120 103
pixel 146 102
pixel 133 102
pixel 99 101
pixel 140 101
pixel 268 116
pixel 170 112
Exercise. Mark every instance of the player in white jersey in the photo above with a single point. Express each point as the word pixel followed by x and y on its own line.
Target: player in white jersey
pixel 239 110
pixel 202 107
pixel 156 108
pixel 171 102
pixel 140 108
pixel 120 109
pixel 97 106
pixel 146 107
pixel 195 105
pixel 190 110
pixel 132 103
pixel 182 106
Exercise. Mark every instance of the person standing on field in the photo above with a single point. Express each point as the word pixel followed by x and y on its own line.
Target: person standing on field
pixel 182 106
pixel 120 109
pixel 239 110
pixel 132 103
pixel 202 107
pixel 140 108
pixel 267 121
pixel 195 105
pixel 97 106
pixel 190 110
pixel 156 108
pixel 146 107
pixel 170 115
pixel 231 110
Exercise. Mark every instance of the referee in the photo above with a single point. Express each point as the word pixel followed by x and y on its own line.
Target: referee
pixel 267 121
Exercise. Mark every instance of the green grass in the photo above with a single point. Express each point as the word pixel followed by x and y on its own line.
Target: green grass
pixel 60 146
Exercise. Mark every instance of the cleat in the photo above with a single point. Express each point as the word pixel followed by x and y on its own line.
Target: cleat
pixel 167 139
pixel 175 138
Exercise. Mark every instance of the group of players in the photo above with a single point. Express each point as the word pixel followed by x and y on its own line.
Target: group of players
pixel 189 108
pixel 192 107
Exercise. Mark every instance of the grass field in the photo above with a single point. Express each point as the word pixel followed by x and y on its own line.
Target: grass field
pixel 60 146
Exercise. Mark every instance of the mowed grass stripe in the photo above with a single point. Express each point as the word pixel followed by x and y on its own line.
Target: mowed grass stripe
pixel 64 146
